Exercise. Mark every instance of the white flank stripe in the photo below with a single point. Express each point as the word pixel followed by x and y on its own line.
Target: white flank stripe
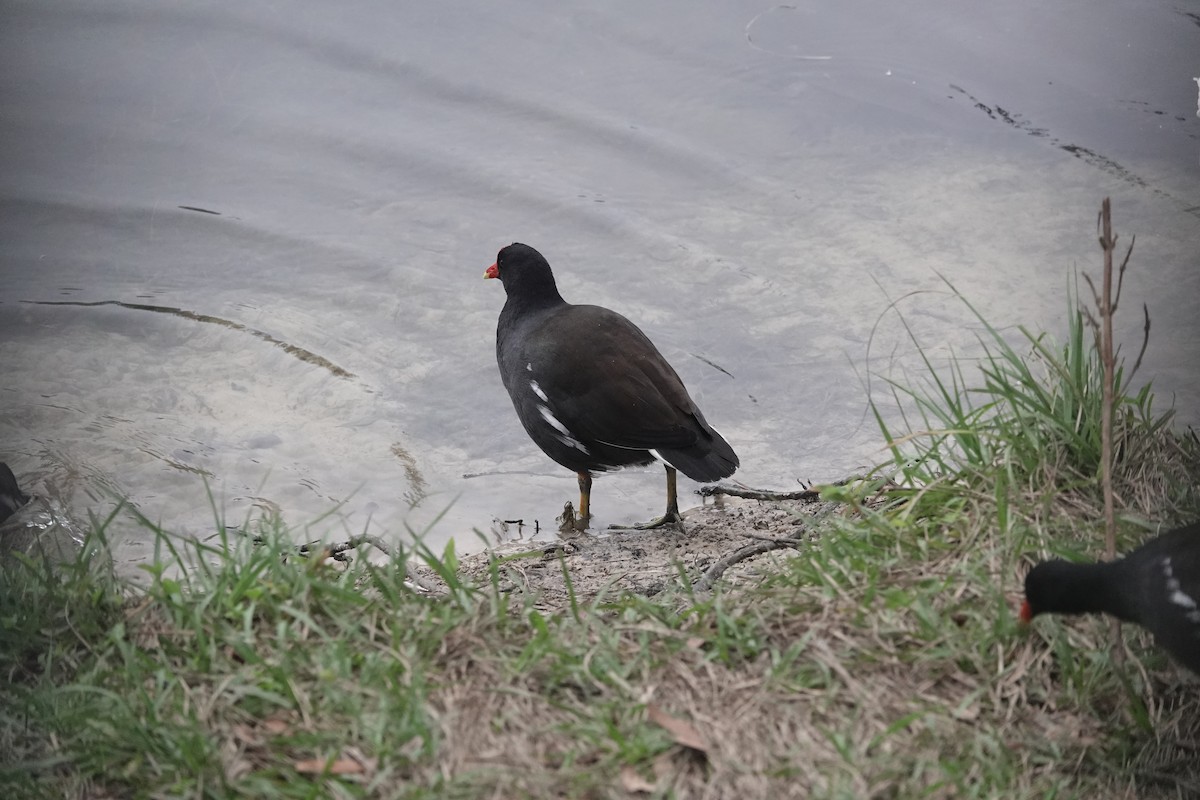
pixel 1177 595
pixel 1181 599
pixel 618 446
pixel 658 455
pixel 553 420
pixel 538 391
pixel 564 435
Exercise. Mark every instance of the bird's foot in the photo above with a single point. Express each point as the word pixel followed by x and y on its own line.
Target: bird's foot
pixel 568 522
pixel 672 517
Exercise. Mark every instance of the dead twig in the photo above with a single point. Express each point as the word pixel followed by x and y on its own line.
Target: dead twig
pixel 1107 306
pixel 1145 342
pixel 805 495
pixel 714 572
pixel 338 553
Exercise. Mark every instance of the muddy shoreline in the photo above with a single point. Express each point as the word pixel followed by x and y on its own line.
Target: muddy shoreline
pixel 613 562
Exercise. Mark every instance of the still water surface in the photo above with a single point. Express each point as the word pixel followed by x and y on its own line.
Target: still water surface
pixel 242 244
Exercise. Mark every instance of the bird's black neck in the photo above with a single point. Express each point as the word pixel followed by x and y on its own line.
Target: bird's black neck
pixel 530 293
pixel 527 280
pixel 1088 588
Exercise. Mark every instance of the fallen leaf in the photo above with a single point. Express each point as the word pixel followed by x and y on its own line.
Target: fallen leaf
pixel 682 732
pixel 631 781
pixel 245 734
pixel 276 725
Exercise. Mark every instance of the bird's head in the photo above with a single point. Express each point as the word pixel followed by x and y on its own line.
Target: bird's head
pixel 524 272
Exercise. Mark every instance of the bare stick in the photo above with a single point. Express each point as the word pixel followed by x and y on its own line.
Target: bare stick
pixel 807 495
pixel 1145 341
pixel 713 573
pixel 1109 243
pixel 337 553
pixel 1095 295
pixel 335 550
pixel 1121 272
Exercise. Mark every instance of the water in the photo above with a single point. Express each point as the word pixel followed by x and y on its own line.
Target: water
pixel 243 244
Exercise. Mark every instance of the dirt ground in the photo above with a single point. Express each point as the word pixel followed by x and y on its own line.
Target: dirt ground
pixel 712 544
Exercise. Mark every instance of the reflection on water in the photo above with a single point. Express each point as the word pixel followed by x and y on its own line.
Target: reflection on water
pixel 750 183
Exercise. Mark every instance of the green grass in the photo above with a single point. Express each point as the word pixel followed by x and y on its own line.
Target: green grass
pixel 883 660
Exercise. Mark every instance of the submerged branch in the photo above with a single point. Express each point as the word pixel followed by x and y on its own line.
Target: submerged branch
pixel 338 553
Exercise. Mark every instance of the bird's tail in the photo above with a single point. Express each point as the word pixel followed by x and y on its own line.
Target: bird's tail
pixel 708 460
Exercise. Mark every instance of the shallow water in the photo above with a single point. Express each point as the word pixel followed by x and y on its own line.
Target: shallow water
pixel 242 245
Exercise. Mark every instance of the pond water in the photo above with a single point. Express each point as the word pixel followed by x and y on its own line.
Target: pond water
pixel 242 244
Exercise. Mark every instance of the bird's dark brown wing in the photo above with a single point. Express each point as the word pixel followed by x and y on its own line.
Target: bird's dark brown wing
pixel 608 383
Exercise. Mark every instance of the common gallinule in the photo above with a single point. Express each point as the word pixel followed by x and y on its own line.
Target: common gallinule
pixel 591 390
pixel 11 496
pixel 1156 586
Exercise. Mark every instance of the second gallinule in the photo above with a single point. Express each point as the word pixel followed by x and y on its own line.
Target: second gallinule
pixel 11 496
pixel 1157 586
pixel 591 390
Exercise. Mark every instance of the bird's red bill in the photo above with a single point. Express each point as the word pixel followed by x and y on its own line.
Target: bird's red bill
pixel 1026 614
pixel 492 272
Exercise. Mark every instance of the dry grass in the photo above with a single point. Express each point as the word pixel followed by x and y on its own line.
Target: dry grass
pixel 811 676
pixel 880 659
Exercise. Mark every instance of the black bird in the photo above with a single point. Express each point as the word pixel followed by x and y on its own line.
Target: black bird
pixel 591 390
pixel 1156 586
pixel 11 496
